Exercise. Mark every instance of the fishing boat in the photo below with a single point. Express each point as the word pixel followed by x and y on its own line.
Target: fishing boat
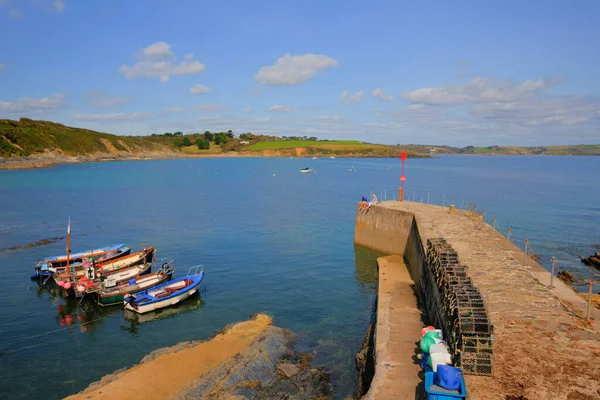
pixel 306 170
pixel 120 270
pixel 141 257
pixel 86 285
pixel 93 270
pixel 42 268
pixel 113 293
pixel 352 169
pixel 166 294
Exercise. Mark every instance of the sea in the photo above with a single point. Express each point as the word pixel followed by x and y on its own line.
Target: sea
pixel 271 240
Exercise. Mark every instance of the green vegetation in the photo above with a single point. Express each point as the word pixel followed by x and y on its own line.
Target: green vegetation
pixel 290 144
pixel 202 144
pixel 26 137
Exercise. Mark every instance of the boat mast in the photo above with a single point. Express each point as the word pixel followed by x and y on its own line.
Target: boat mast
pixel 69 246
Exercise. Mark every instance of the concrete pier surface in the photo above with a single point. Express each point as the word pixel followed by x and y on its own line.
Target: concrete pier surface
pixel 543 347
pixel 398 328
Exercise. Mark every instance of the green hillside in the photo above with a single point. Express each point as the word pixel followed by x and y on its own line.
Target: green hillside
pixel 26 137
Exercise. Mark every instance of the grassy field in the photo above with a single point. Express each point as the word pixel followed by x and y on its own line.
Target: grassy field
pixel 291 144
pixel 193 149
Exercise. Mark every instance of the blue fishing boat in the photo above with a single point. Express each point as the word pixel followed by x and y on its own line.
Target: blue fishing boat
pixel 166 294
pixel 42 268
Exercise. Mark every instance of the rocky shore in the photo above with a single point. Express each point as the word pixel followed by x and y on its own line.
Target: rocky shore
pixel 592 261
pixel 247 360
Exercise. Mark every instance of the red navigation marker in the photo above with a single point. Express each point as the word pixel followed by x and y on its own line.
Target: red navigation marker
pixel 402 177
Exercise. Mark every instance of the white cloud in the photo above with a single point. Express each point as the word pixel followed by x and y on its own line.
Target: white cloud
pixel 59 5
pixel 248 110
pixel 331 118
pixel 488 111
pixel 199 89
pixel 382 95
pixel 2 67
pixel 352 99
pixel 31 106
pixel 479 90
pixel 294 70
pixel 159 50
pixel 282 109
pixel 156 61
pixel 112 118
pixel 99 99
pixel 203 107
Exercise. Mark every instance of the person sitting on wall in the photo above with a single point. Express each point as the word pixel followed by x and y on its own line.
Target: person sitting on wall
pixel 372 202
pixel 363 204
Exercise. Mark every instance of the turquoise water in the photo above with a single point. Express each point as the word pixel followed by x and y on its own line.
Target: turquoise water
pixel 280 244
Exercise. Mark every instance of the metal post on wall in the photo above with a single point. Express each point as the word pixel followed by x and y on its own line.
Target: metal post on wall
pixel 495 224
pixel 589 306
pixel 482 218
pixel 508 234
pixel 552 274
pixel 525 256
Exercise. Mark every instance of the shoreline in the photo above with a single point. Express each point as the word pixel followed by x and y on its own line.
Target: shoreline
pixel 45 161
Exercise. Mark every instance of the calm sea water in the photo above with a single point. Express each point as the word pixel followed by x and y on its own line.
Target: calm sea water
pixel 270 238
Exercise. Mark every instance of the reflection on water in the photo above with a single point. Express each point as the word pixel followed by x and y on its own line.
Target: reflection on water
pixel 87 314
pixel 366 267
pixel 135 319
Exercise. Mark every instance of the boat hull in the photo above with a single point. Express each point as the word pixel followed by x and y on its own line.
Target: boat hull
pixel 161 304
pixel 58 263
pixel 108 297
pixel 150 300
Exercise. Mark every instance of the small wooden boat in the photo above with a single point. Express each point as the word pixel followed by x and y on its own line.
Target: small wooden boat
pixel 140 257
pixel 113 294
pixel 89 286
pixel 167 294
pixel 42 268
pixel 93 271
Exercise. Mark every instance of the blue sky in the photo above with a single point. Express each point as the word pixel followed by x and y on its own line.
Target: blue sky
pixel 457 73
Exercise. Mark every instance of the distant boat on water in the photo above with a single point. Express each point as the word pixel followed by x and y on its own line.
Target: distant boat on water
pixel 307 170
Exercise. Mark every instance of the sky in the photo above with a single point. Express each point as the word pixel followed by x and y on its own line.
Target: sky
pixel 430 72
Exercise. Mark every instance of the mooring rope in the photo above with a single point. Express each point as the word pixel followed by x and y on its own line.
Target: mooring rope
pixel 19 339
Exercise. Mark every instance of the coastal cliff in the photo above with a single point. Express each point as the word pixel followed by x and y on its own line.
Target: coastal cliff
pixel 247 360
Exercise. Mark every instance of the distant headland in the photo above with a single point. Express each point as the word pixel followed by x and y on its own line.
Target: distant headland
pixel 28 143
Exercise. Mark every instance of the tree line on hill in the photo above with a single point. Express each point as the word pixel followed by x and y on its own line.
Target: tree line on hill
pixel 227 140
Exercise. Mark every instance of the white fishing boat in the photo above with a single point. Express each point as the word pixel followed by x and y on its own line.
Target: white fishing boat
pixel 307 170
pixel 167 294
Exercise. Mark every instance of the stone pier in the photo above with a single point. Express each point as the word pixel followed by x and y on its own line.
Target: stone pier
pixel 543 347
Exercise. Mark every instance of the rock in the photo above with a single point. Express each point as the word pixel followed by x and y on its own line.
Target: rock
pixel 166 350
pixel 266 369
pixel 592 261
pixel 365 362
pixel 289 370
pixel 566 276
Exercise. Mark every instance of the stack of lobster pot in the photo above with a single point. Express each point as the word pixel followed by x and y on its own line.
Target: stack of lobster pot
pixel 453 301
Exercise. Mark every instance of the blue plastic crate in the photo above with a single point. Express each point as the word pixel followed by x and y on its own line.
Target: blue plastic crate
pixel 441 394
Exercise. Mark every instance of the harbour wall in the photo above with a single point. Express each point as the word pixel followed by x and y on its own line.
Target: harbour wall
pixel 539 325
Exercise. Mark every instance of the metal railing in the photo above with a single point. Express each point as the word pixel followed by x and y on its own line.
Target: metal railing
pixel 464 203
